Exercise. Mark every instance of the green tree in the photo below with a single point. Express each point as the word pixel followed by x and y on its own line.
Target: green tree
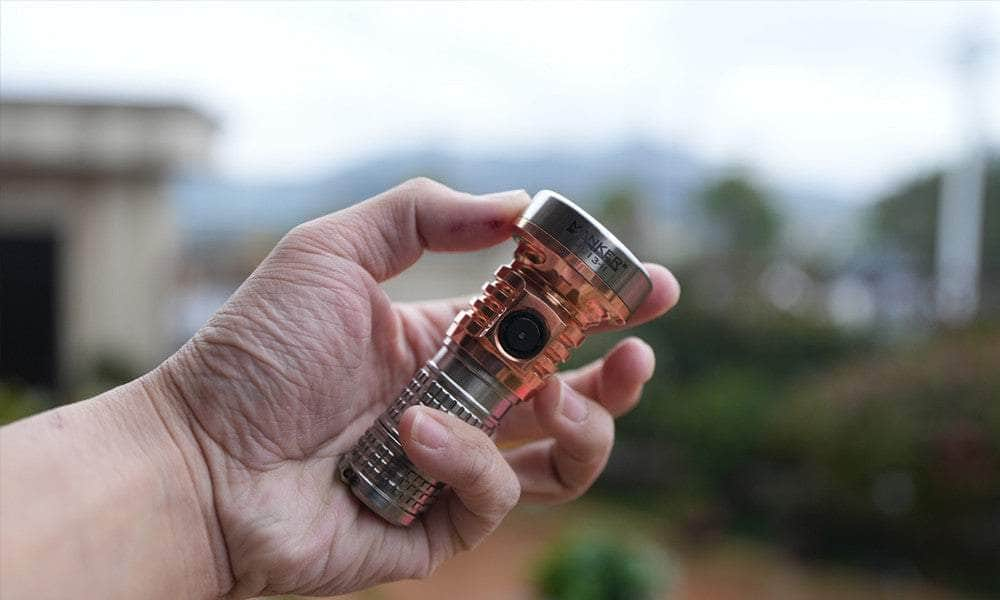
pixel 745 214
pixel 620 210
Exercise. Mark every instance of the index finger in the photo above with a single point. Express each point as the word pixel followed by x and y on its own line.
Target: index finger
pixel 388 233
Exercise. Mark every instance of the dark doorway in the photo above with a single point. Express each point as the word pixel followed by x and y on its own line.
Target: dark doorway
pixel 28 310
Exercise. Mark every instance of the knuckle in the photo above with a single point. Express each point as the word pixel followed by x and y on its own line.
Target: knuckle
pixel 478 468
pixel 311 236
pixel 302 231
pixel 576 486
pixel 508 495
pixel 573 490
pixel 483 479
pixel 428 568
pixel 604 437
pixel 593 443
pixel 419 185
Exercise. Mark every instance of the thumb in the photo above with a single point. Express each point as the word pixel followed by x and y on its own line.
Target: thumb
pixel 485 487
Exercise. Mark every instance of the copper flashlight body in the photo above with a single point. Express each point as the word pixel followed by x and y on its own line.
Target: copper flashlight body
pixel 569 274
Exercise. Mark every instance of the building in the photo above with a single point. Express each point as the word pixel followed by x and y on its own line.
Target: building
pixel 87 238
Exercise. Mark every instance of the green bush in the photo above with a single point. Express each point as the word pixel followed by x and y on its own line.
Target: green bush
pixel 896 460
pixel 773 426
pixel 18 402
pixel 602 567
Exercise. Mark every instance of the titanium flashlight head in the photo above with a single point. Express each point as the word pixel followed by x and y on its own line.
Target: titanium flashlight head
pixel 569 274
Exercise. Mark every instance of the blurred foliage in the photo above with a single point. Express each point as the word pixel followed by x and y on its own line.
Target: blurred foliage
pixel 593 566
pixel 621 211
pixel 108 371
pixel 831 443
pixel 839 449
pixel 745 214
pixel 906 221
pixel 898 460
pixel 17 402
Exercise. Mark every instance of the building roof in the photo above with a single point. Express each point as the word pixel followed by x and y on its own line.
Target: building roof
pixel 53 135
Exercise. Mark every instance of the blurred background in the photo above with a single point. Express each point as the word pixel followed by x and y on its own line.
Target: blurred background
pixel 824 179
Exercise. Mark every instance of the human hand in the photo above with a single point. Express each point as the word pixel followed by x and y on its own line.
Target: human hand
pixel 303 357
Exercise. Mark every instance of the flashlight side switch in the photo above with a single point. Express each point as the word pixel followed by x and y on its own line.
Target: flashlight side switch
pixel 523 334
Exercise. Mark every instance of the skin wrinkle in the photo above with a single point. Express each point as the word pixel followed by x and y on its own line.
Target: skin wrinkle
pixel 419 337
pixel 189 469
pixel 565 485
pixel 476 476
pixel 186 397
pixel 413 219
pixel 541 454
pixel 276 344
pixel 210 366
pixel 428 566
pixel 232 437
pixel 312 349
pixel 366 250
pixel 580 486
pixel 460 541
pixel 473 477
pixel 332 271
pixel 314 582
pixel 334 351
pixel 443 543
pixel 296 569
pixel 379 555
pixel 359 559
pixel 572 451
pixel 224 562
pixel 266 351
pixel 404 218
pixel 324 241
pixel 232 341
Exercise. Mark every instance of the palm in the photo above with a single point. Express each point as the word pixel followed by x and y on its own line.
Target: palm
pixel 290 372
pixel 309 384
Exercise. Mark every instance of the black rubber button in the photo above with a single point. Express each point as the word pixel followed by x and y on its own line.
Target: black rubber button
pixel 523 334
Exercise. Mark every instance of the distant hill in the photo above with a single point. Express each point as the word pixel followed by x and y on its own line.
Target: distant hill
pixel 665 178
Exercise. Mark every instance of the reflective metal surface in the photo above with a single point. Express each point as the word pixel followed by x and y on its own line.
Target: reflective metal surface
pixel 598 249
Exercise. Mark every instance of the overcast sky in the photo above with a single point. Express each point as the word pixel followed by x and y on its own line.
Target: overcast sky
pixel 848 96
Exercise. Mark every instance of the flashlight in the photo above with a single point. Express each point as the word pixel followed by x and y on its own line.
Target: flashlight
pixel 569 274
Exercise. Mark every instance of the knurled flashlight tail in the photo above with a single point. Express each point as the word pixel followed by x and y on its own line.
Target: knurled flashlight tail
pixel 568 275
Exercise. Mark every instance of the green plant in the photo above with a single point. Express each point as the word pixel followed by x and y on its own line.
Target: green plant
pixel 593 566
pixel 18 402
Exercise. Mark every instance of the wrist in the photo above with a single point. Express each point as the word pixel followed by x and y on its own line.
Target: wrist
pixel 183 461
pixel 111 496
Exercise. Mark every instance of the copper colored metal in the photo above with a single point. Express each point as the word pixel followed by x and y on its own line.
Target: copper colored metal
pixel 569 274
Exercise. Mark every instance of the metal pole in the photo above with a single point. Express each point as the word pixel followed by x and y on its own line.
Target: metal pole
pixel 960 211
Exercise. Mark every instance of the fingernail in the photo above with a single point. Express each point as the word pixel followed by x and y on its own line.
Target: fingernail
pixel 573 406
pixel 428 432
